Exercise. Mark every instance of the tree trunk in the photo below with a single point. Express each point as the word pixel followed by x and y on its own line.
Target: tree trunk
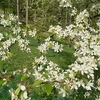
pixel 26 12
pixel 18 9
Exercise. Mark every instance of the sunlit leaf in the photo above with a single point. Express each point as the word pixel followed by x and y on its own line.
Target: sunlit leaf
pixel 17 91
pixel 37 82
pixel 47 88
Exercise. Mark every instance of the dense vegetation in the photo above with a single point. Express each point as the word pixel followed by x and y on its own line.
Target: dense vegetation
pixel 49 50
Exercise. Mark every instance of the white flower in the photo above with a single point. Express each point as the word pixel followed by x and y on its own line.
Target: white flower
pixel 2 15
pixel 62 92
pixel 41 60
pixel 40 68
pixel 32 33
pixel 57 47
pixel 48 39
pixel 4 22
pixel 13 96
pixel 64 3
pixel 89 85
pixel 98 87
pixel 25 95
pixel 16 30
pixel 82 17
pixel 74 11
pixel 57 85
pixel 51 29
pixel 23 44
pixel 80 83
pixel 22 87
pixel 86 94
pixel 74 85
pixel 38 75
pixel 43 48
pixel 48 68
pixel 11 17
pixel 24 70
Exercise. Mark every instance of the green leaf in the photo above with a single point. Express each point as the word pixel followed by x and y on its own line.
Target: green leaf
pixel 1 82
pixel 53 31
pixel 37 82
pixel 35 37
pixel 0 43
pixel 66 75
pixel 74 73
pixel 47 88
pixel 37 90
pixel 1 63
pixel 23 77
pixel 50 45
pixel 21 97
pixel 28 25
pixel 17 91
pixel 9 54
pixel 85 80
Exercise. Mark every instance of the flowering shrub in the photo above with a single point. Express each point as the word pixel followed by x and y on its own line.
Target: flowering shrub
pixel 65 3
pixel 50 44
pixel 79 80
pixel 8 39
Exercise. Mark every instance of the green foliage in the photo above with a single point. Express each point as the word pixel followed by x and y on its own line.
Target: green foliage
pixel 36 83
pixel 4 94
pixel 47 88
pixel 42 14
pixel 1 63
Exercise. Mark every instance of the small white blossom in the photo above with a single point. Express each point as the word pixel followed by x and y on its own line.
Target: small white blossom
pixel 25 95
pixel 32 33
pixel 62 92
pixel 22 87
pixel 89 85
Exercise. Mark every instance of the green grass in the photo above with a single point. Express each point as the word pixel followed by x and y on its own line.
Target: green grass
pixel 21 59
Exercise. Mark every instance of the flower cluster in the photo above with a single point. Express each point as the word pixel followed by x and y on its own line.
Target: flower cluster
pixel 7 39
pixel 16 30
pixel 82 17
pixel 87 51
pixel 4 22
pixel 20 90
pixel 74 11
pixel 23 44
pixel 4 50
pixel 65 3
pixel 95 8
pixel 32 33
pixel 47 71
pixel 7 21
pixel 50 44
